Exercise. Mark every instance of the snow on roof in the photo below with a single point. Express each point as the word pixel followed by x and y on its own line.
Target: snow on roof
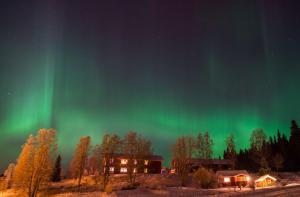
pixel 232 172
pixel 264 177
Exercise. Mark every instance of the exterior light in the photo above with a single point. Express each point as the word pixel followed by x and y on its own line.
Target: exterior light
pixel 226 179
pixel 248 178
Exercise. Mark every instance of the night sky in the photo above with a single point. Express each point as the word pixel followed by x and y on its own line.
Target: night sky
pixel 161 68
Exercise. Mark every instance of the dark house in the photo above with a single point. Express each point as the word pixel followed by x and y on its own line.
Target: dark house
pixel 214 164
pixel 151 164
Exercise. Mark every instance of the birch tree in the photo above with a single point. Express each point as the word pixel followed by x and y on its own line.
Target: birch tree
pixel 79 159
pixel 35 163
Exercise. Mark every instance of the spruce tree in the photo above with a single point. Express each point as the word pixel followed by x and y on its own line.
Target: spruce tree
pixel 56 176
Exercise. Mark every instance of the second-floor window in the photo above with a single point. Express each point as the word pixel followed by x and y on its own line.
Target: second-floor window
pixel 124 161
pixel 146 162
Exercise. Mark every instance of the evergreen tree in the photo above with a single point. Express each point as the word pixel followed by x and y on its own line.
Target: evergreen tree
pixel 294 147
pixel 56 175
pixel 230 152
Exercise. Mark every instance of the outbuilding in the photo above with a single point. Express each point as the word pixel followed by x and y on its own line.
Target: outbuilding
pixel 265 181
pixel 238 178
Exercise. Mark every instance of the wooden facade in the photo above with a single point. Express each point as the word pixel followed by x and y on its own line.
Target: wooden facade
pixel 151 164
pixel 265 181
pixel 238 178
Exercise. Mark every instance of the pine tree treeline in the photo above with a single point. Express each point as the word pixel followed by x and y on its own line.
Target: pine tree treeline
pixel 278 153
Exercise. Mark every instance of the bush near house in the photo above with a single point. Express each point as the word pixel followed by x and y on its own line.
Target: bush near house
pixel 205 178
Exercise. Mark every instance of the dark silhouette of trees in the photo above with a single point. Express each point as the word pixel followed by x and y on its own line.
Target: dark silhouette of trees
pixel 230 152
pixel 277 152
pixel 294 148
pixel 56 174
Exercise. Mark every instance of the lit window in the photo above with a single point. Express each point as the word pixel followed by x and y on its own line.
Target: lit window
pixel 124 161
pixel 134 170
pixel 146 170
pixel 111 161
pixel 146 162
pixel 111 169
pixel 248 178
pixel 226 179
pixel 123 170
pixel 135 162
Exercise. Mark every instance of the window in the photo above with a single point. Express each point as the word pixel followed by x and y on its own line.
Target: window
pixel 123 170
pixel 226 179
pixel 124 161
pixel 134 170
pixel 146 170
pixel 146 162
pixel 111 161
pixel 135 162
pixel 111 169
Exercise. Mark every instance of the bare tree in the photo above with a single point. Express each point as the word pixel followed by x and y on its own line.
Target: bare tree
pixel 135 148
pixel 182 153
pixel 258 147
pixel 109 147
pixel 203 146
pixel 35 163
pixel 8 174
pixel 95 161
pixel 278 161
pixel 78 162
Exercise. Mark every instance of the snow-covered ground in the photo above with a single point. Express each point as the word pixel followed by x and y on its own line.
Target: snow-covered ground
pixel 150 186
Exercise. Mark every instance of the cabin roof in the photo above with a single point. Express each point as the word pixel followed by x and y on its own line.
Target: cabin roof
pixel 264 177
pixel 211 162
pixel 231 172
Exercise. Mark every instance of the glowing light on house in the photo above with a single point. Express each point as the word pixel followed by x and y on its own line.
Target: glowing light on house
pixel 124 161
pixel 226 179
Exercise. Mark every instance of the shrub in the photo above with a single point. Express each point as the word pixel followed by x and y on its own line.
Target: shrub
pixel 283 182
pixel 205 178
pixel 263 171
pixel 108 189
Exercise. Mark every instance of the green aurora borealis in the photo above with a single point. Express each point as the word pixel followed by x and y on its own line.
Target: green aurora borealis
pixel 161 69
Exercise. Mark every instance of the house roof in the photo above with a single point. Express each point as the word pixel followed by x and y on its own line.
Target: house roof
pixel 211 162
pixel 150 157
pixel 231 172
pixel 264 177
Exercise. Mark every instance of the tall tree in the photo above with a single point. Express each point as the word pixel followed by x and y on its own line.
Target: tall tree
pixel 258 147
pixel 109 147
pixel 35 163
pixel 278 161
pixel 8 174
pixel 294 147
pixel 95 161
pixel 203 146
pixel 79 159
pixel 135 149
pixel 181 156
pixel 230 152
pixel 56 174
